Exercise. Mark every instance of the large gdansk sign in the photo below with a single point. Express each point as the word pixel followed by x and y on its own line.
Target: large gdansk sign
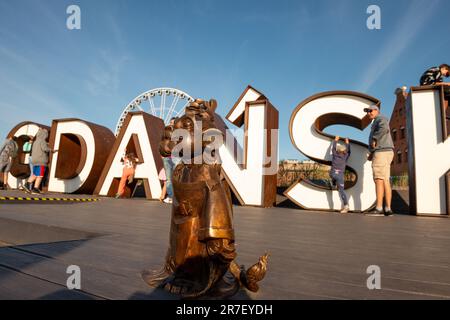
pixel 89 155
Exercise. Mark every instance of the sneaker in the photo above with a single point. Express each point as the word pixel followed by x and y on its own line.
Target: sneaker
pixel 345 209
pixel 167 200
pixel 376 212
pixel 117 196
pixel 388 213
pixel 27 187
pixel 35 191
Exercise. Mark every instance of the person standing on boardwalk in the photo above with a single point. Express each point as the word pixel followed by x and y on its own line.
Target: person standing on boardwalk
pixel 168 160
pixel 40 151
pixel 381 154
pixel 162 177
pixel 129 168
pixel 8 151
pixel 339 155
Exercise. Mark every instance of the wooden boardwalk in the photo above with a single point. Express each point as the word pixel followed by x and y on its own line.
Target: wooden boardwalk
pixel 312 255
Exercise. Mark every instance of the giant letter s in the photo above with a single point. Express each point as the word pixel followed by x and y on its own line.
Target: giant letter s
pixel 307 123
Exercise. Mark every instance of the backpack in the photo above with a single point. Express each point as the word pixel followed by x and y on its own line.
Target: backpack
pixel 27 147
pixel 14 149
pixel 9 150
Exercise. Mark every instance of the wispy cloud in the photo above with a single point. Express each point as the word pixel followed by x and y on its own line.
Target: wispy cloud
pixel 116 31
pixel 13 56
pixel 29 94
pixel 413 20
pixel 29 102
pixel 105 71
pixel 34 97
pixel 13 118
pixel 104 74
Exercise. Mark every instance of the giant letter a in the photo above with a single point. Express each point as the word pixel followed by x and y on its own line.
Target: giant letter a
pixel 141 134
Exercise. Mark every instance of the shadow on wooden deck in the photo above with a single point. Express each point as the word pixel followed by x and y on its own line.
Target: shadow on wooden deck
pixel 400 201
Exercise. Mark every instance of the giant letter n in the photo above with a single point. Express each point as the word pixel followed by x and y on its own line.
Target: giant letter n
pixel 253 179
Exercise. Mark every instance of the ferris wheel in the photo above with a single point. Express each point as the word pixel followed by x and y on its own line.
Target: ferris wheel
pixel 164 103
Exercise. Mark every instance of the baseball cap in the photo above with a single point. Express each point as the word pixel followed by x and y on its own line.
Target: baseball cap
pixel 372 107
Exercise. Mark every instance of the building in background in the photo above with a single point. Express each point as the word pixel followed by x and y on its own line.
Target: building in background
pixel 290 170
pixel 397 124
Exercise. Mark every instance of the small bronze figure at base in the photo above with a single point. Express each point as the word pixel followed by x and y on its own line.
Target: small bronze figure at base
pixel 200 261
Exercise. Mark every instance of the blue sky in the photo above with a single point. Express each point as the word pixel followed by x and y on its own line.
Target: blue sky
pixel 289 50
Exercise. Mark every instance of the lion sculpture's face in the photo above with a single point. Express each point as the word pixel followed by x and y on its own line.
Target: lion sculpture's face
pixel 196 124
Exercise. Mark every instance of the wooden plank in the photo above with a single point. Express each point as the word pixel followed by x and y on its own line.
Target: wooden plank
pixel 93 280
pixel 19 286
pixel 313 255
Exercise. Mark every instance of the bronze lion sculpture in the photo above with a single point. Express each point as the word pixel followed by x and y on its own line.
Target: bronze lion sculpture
pixel 200 261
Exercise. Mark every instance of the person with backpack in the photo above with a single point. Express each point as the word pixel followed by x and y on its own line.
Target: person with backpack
pixel 40 151
pixel 8 152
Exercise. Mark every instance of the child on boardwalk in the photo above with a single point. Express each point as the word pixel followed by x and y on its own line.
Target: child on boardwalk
pixel 340 154
pixel 40 151
pixel 129 168
pixel 162 177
